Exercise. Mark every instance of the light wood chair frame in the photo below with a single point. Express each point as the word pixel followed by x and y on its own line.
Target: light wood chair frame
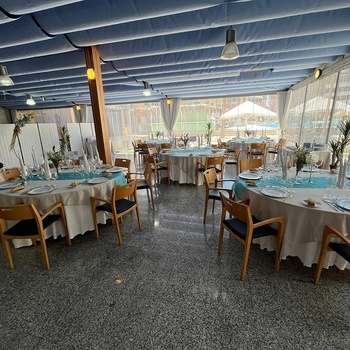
pixel 147 176
pixel 11 173
pixel 232 158
pixel 247 164
pixel 128 190
pixel 260 147
pixel 241 211
pixel 210 162
pixel 124 163
pixel 156 165
pixel 329 233
pixel 26 212
pixel 212 184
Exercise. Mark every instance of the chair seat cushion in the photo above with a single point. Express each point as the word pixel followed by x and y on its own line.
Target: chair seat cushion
pixel 273 151
pixel 29 227
pixel 121 205
pixel 215 194
pixel 216 169
pixel 342 249
pixel 162 167
pixel 231 161
pixel 142 184
pixel 240 228
pixel 257 153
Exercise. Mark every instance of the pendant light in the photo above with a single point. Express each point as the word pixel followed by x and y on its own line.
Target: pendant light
pixel 30 101
pixel 146 90
pixel 230 51
pixel 5 80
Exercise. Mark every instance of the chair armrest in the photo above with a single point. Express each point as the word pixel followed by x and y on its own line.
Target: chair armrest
pixel 95 199
pixel 58 205
pixel 335 232
pixel 244 201
pixel 279 219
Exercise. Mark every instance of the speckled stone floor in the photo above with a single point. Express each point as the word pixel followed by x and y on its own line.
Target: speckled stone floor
pixel 175 292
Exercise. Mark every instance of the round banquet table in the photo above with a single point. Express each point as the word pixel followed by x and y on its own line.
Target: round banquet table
pixel 76 202
pixel 182 163
pixel 304 225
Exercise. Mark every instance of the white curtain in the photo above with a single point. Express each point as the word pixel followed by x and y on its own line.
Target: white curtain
pixel 7 157
pixel 169 112
pixel 283 102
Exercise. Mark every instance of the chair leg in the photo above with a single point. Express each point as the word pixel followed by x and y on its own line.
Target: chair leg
pixel 44 251
pixel 138 217
pixel 205 209
pixel 151 194
pixel 119 236
pixel 245 260
pixel 323 252
pixel 212 210
pixel 65 226
pixel 8 252
pixel 221 239
pixel 94 216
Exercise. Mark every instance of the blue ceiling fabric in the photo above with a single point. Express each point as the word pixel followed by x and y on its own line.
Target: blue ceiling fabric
pixel 175 46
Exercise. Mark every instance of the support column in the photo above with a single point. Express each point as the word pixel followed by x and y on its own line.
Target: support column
pixel 92 60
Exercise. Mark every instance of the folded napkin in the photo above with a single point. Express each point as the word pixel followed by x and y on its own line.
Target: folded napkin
pixel 86 163
pixel 47 168
pixel 342 171
pixel 284 165
pixel 23 167
pixel 18 188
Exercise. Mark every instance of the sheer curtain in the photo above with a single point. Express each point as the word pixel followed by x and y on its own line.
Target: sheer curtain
pixel 169 112
pixel 283 102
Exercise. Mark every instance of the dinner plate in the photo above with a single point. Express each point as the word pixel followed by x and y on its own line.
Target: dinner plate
pixel 343 203
pixel 250 176
pixel 114 170
pixel 97 180
pixel 305 202
pixel 275 192
pixel 9 185
pixel 41 189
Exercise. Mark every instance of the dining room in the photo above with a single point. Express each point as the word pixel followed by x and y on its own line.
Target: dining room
pixel 174 175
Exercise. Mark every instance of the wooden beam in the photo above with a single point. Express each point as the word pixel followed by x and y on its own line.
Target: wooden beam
pixel 92 60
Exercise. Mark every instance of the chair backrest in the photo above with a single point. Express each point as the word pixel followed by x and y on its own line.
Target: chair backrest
pixel 19 212
pixel 166 146
pixel 152 151
pixel 213 161
pixel 150 159
pixel 246 164
pixel 258 147
pixel 11 173
pixel 281 143
pixel 123 163
pixel 148 172
pixel 127 190
pixel 239 210
pixel 210 177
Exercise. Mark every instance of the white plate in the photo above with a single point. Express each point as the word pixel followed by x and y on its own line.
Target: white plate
pixel 305 202
pixel 275 192
pixel 9 185
pixel 41 189
pixel 97 180
pixel 343 203
pixel 114 170
pixel 250 176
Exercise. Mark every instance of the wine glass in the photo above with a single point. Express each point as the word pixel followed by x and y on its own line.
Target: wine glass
pixel 330 183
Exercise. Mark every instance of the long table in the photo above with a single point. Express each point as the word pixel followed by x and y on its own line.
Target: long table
pixel 76 202
pixel 304 225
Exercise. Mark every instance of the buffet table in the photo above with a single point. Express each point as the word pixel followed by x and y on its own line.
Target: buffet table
pixel 43 194
pixel 182 163
pixel 304 224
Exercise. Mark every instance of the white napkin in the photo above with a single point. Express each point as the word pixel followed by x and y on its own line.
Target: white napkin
pixel 23 167
pixel 98 155
pixel 284 165
pixel 91 152
pixel 86 163
pixel 342 171
pixel 35 161
pixel 47 168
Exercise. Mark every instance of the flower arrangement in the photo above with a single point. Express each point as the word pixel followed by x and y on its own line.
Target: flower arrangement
pixel 157 134
pixel 337 147
pixel 247 132
pixel 208 132
pixel 64 138
pixel 184 138
pixel 55 157
pixel 20 123
pixel 300 157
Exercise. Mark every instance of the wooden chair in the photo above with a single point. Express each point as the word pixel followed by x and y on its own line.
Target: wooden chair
pixel 143 150
pixel 125 164
pixel 166 146
pixel 136 148
pixel 246 164
pixel 119 205
pixel 158 167
pixel 9 174
pixel 232 158
pixel 145 183
pixel 30 225
pixel 280 144
pixel 244 227
pixel 216 162
pixel 257 150
pixel 342 248
pixel 212 190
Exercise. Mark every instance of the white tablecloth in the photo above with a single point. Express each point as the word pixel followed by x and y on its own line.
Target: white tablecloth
pixel 183 164
pixel 304 225
pixel 76 203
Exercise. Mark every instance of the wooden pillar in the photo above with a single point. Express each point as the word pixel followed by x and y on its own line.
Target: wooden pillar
pixel 92 60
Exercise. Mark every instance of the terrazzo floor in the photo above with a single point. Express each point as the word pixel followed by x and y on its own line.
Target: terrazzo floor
pixel 166 288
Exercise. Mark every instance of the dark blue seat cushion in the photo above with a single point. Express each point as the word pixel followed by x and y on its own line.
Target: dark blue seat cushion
pixel 342 249
pixel 29 227
pixel 122 205
pixel 142 184
pixel 240 228
pixel 202 169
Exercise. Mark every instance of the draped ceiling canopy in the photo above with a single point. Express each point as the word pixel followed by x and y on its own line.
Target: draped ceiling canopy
pixel 174 45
